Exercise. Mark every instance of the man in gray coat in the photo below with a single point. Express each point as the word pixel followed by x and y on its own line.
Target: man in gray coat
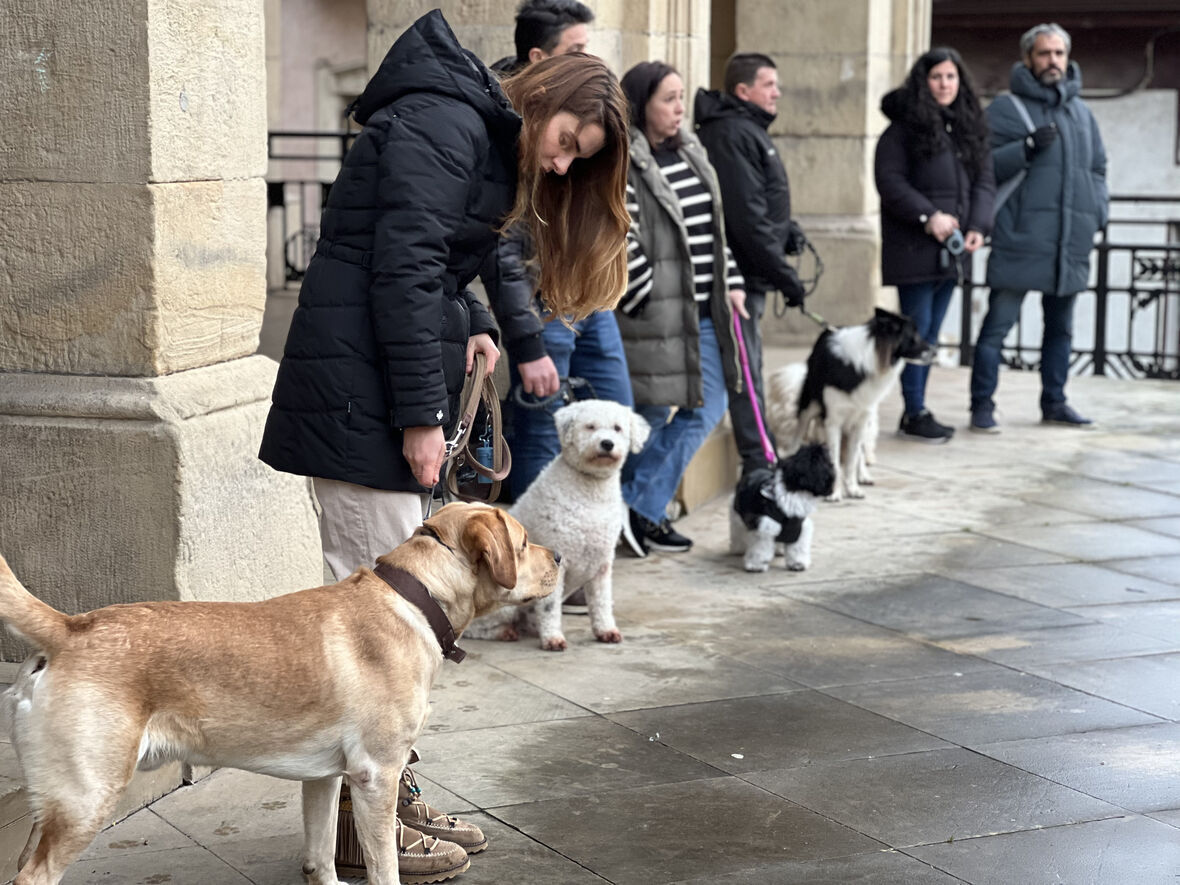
pixel 1047 149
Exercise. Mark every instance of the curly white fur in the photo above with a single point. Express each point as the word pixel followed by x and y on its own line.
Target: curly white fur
pixel 575 506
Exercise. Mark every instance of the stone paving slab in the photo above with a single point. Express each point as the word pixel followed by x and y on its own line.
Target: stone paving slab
pixel 1116 851
pixel 1137 769
pixel 974 683
pixel 668 832
pixel 924 798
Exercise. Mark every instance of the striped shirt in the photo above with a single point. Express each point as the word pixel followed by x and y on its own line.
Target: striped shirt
pixel 696 206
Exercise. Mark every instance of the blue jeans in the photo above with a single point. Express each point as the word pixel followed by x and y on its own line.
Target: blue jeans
pixel 1003 310
pixel 651 477
pixel 593 350
pixel 925 304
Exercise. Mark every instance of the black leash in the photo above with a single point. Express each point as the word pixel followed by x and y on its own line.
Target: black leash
pixel 810 284
pixel 568 391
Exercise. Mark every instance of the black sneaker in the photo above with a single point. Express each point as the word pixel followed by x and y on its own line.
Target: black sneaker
pixel 983 420
pixel 923 428
pixel 1064 414
pixel 661 536
pixel 633 534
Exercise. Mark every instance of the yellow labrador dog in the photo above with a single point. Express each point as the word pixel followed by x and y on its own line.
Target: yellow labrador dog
pixel 308 686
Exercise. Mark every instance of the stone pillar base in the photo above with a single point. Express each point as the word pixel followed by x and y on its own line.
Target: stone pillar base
pixel 118 490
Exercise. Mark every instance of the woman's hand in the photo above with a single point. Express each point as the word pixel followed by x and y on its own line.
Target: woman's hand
pixel 737 302
pixel 424 448
pixel 940 225
pixel 482 343
pixel 539 377
pixel 973 240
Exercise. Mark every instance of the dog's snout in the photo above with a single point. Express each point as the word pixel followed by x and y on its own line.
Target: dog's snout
pixel 607 445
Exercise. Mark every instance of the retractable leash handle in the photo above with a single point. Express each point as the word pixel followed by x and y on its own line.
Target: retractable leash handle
pixel 767 448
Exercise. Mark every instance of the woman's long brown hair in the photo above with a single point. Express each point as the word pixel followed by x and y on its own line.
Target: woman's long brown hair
pixel 578 220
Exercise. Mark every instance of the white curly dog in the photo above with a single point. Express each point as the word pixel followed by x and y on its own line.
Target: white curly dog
pixel 575 506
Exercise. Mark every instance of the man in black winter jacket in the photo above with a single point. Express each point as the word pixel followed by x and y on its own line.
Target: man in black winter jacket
pixel 757 200
pixel 542 354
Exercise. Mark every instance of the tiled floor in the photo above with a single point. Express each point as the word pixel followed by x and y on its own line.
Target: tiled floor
pixel 976 682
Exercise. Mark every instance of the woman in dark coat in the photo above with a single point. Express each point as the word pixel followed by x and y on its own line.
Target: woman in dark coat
pixel 934 176
pixel 386 329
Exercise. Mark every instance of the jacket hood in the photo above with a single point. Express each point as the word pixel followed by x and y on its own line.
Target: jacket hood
pixel 713 104
pixel 428 58
pixel 1024 84
pixel 896 105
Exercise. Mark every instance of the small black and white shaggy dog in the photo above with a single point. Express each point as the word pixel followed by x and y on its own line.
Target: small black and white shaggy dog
pixel 834 398
pixel 773 506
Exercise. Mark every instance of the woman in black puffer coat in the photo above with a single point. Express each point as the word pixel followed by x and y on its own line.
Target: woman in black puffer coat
pixel 934 175
pixel 385 328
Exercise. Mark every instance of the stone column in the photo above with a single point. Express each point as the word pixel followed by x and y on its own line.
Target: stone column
pixel 132 249
pixel 835 58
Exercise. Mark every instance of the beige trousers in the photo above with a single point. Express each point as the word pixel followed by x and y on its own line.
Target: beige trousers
pixel 358 524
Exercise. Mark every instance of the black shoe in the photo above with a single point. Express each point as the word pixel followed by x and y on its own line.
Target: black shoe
pixel 633 534
pixel 1063 414
pixel 983 420
pixel 923 428
pixel 661 536
pixel 575 603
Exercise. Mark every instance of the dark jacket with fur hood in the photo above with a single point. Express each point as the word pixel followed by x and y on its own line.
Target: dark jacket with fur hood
pixel 913 187
pixel 378 341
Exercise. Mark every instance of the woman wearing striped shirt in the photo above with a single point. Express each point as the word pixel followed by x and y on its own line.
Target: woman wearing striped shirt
pixel 676 316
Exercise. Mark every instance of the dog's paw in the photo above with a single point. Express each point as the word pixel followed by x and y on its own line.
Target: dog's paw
pixel 507 633
pixel 554 643
pixel 835 498
pixel 609 636
pixel 755 567
pixel 856 492
pixel 796 566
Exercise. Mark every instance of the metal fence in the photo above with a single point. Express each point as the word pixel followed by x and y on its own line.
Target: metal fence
pixel 1127 323
pixel 300 170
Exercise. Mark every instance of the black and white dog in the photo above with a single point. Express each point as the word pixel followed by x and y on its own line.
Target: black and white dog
pixel 773 506
pixel 834 398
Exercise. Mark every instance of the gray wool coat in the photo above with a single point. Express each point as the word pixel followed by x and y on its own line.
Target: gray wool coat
pixel 663 342
pixel 1044 233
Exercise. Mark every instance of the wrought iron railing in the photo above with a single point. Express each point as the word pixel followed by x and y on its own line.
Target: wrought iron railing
pixel 301 169
pixel 1127 323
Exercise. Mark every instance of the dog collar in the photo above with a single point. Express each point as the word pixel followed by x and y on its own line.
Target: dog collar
pixel 415 591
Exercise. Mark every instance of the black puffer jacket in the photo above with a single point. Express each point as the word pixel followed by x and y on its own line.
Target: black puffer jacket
pixel 378 340
pixel 754 189
pixel 912 188
pixel 512 293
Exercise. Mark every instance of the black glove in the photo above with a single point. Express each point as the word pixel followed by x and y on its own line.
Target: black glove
pixel 795 239
pixel 793 290
pixel 1038 140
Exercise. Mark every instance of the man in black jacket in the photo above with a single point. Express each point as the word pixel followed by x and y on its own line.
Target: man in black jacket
pixel 542 354
pixel 757 199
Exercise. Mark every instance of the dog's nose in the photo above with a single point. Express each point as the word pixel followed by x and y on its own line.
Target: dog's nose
pixel 607 445
pixel 556 558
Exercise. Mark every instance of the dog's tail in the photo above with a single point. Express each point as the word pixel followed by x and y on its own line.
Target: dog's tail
pixel 27 616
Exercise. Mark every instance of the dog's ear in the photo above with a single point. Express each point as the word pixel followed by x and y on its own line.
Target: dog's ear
pixel 488 539
pixel 564 420
pixel 640 431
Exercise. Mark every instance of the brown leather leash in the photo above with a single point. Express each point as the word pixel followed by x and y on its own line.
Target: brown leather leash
pixel 478 388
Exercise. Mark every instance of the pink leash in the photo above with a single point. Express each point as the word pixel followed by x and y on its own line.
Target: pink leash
pixel 767 448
